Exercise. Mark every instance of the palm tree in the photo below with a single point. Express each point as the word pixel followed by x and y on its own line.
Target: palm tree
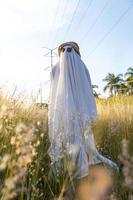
pixel 129 80
pixel 123 89
pixel 129 72
pixel 113 83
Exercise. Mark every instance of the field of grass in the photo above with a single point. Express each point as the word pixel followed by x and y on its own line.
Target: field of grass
pixel 24 162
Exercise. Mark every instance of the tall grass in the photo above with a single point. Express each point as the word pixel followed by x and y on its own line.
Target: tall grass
pixel 114 122
pixel 25 164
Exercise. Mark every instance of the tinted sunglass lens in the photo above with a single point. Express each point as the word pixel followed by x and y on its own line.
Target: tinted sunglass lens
pixel 69 49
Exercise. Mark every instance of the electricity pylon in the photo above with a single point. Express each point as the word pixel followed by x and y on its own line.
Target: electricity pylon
pixel 50 54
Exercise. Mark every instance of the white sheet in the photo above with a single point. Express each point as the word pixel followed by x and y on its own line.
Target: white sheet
pixel 72 108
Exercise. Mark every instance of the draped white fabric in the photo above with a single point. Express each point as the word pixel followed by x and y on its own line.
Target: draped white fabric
pixel 71 110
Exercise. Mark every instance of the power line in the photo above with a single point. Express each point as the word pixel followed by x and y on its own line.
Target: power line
pixel 84 13
pixel 41 91
pixel 70 24
pixel 111 29
pixel 54 19
pixel 95 21
pixel 50 54
pixel 87 7
pixel 65 8
pixel 62 18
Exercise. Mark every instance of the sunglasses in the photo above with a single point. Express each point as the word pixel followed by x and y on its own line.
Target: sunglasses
pixel 69 49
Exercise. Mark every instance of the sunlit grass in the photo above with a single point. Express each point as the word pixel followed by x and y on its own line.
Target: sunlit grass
pixel 25 164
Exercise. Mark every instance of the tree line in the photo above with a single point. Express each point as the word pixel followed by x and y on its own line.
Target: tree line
pixel 117 84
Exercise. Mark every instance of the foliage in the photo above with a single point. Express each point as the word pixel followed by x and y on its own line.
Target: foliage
pixel 117 85
pixel 24 162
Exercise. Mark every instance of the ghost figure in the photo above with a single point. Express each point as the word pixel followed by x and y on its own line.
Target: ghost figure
pixel 71 111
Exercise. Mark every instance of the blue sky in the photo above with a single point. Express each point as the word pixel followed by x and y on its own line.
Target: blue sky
pixel 28 25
